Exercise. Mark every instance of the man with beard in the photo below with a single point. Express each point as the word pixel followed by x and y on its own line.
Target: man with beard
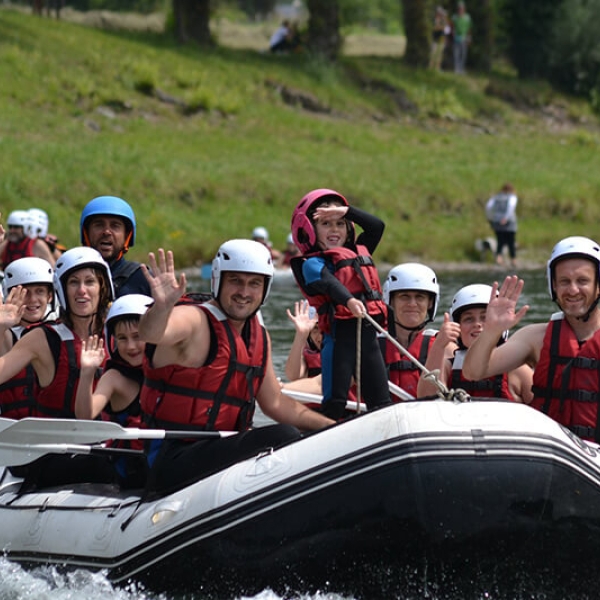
pixel 209 362
pixel 108 225
pixel 565 353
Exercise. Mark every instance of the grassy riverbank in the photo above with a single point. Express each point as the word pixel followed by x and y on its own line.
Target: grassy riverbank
pixel 206 145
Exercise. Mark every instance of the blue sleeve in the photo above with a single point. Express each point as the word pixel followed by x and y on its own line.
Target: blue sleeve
pixel 311 269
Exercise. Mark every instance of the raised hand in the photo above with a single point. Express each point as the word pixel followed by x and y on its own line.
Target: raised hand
pixel 501 312
pixel 166 288
pixel 301 318
pixel 92 353
pixel 325 213
pixel 13 307
pixel 449 331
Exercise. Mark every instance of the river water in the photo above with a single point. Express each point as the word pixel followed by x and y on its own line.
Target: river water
pixel 48 584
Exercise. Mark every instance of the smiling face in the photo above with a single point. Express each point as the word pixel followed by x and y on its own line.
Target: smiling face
pixel 83 292
pixel 331 232
pixel 241 294
pixel 37 299
pixel 128 343
pixel 411 308
pixel 575 284
pixel 471 324
pixel 107 234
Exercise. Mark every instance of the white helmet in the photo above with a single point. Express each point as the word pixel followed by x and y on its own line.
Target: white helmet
pixel 27 271
pixel 18 218
pixel 243 256
pixel 572 247
pixel 75 259
pixel 130 305
pixel 413 277
pixel 289 239
pixel 260 233
pixel 38 223
pixel 477 294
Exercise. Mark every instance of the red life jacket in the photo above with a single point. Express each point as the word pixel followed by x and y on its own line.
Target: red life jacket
pixel 218 395
pixel 58 398
pixel 566 380
pixel 17 395
pixel 402 371
pixel 356 271
pixel 15 250
pixel 313 361
pixel 490 387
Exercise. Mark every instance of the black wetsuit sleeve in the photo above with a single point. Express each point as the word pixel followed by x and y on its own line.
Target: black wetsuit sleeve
pixel 372 228
pixel 329 286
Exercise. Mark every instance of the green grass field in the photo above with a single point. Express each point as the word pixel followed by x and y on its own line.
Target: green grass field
pixel 207 144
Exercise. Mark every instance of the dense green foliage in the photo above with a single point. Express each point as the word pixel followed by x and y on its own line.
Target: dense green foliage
pixel 207 144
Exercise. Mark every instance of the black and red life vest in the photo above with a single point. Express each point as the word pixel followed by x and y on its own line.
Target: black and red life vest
pixel 356 271
pixel 218 395
pixel 566 380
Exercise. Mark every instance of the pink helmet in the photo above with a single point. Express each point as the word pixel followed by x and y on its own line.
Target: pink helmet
pixel 303 231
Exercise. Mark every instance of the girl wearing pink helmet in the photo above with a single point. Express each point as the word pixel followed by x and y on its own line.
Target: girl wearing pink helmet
pixel 337 276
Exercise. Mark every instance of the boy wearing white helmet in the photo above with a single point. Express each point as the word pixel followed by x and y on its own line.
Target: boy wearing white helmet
pixel 412 291
pixel 565 353
pixel 461 327
pixel 16 242
pixel 118 390
pixel 209 362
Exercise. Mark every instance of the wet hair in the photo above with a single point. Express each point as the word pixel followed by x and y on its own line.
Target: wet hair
pixel 508 188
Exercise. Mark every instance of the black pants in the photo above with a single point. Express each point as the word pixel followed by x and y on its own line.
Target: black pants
pixel 506 238
pixel 373 373
pixel 181 463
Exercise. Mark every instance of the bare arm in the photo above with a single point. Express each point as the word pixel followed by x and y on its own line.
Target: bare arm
pixel 440 356
pixel 519 383
pixel 88 404
pixel 11 311
pixel 283 409
pixel 166 290
pixel 295 365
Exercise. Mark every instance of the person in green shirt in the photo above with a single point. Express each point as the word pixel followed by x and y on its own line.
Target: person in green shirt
pixel 461 30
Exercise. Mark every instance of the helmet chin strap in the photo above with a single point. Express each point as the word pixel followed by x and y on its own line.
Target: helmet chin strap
pixel 585 318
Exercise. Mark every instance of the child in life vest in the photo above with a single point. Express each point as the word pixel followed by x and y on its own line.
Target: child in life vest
pixel 117 392
pixel 337 276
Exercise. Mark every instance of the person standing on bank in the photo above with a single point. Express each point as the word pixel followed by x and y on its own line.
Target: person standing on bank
pixel 108 225
pixel 461 32
pixel 565 352
pixel 337 276
pixel 501 212
pixel 209 363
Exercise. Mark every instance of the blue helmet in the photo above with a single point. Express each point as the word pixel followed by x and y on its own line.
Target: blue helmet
pixel 108 205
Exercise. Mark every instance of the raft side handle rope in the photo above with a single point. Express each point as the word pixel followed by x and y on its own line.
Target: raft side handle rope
pixel 459 395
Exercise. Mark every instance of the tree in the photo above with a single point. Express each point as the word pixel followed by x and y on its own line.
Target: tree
pixel 527 25
pixel 417 28
pixel 481 49
pixel 324 36
pixel 192 18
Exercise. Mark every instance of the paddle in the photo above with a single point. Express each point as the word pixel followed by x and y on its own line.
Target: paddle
pixel 80 431
pixel 13 455
pixel 307 397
